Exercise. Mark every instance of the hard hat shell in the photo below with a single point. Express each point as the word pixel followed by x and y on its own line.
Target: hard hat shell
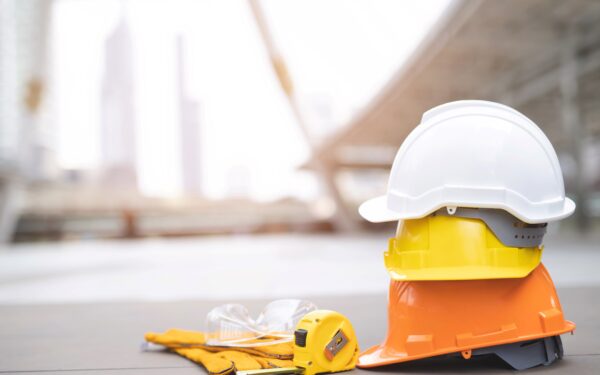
pixel 430 318
pixel 439 247
pixel 474 153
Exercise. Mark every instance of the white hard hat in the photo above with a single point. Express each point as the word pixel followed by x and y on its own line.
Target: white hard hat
pixel 474 153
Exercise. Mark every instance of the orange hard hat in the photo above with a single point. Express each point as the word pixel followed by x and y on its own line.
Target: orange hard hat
pixel 430 318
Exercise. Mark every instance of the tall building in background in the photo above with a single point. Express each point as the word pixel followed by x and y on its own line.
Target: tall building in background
pixel 118 145
pixel 189 120
pixel 27 143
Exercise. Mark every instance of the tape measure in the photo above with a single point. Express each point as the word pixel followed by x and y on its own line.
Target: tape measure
pixel 324 341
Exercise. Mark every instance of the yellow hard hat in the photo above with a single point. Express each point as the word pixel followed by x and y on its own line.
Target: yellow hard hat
pixel 457 244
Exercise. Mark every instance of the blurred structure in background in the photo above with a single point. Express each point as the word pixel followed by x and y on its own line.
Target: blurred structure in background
pixel 118 134
pixel 189 119
pixel 342 218
pixel 242 117
pixel 541 57
pixel 27 143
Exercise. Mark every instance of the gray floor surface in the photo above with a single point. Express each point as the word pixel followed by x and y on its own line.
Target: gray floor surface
pixel 83 307
pixel 231 267
pixel 104 338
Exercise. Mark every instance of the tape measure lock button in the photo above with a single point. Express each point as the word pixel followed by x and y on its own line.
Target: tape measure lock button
pixel 300 337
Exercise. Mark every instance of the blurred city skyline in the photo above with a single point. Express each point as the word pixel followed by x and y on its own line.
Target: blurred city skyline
pixel 230 81
pixel 139 118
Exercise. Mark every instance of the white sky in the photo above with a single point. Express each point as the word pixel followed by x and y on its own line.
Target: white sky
pixel 339 54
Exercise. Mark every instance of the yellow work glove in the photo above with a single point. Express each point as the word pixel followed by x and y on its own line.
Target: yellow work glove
pixel 223 360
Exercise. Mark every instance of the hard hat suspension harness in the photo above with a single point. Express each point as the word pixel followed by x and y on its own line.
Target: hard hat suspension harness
pixel 509 230
pixel 525 354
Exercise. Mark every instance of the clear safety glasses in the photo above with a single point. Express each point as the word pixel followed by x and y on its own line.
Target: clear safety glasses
pixel 232 325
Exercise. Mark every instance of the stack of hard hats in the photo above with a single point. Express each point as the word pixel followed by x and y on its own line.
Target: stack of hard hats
pixel 473 187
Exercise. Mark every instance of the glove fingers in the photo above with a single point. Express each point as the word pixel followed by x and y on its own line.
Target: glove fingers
pixel 241 361
pixel 214 364
pixel 176 337
pixel 223 360
pixel 281 350
pixel 278 353
pixel 274 362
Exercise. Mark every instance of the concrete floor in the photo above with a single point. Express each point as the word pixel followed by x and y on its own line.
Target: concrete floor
pixel 104 338
pixel 232 267
pixel 80 308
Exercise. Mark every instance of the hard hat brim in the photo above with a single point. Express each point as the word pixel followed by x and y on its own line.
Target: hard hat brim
pixel 376 210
